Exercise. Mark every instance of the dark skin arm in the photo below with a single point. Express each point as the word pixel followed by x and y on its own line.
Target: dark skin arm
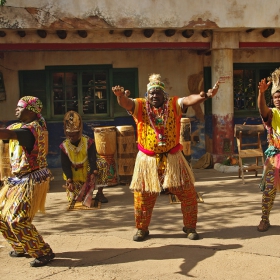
pixel 199 98
pixel 26 116
pixel 6 134
pixel 128 104
pixel 66 165
pixel 122 98
pixel 263 108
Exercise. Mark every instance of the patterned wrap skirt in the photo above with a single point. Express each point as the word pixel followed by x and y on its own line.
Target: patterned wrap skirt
pixel 26 195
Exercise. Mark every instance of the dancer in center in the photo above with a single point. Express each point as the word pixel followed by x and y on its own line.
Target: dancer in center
pixel 160 163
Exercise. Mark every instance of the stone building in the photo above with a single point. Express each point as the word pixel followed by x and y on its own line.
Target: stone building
pixel 70 53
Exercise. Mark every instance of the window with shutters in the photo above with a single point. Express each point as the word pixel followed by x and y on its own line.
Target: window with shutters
pixel 84 89
pixel 246 77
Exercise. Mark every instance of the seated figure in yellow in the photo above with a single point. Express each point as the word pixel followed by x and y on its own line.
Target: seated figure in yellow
pixel 78 157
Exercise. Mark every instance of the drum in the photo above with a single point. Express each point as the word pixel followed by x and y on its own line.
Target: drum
pixel 5 167
pixel 126 149
pixel 105 140
pixel 106 146
pixel 185 138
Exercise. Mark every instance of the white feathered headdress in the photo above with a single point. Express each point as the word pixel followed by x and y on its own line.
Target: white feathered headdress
pixel 275 78
pixel 155 82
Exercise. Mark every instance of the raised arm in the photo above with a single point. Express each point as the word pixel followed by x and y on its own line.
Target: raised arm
pixel 122 98
pixel 263 108
pixel 201 97
pixel 6 134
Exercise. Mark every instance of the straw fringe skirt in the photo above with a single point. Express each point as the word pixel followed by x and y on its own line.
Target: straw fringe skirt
pixel 177 173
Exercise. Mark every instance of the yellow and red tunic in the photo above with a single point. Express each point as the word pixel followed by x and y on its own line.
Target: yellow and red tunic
pixel 146 135
pixel 166 160
pixel 272 125
pixel 273 128
pixel 23 162
pixel 31 184
pixel 78 157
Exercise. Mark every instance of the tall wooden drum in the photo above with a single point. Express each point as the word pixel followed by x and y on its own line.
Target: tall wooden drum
pixel 185 138
pixel 5 167
pixel 106 147
pixel 126 149
pixel 105 140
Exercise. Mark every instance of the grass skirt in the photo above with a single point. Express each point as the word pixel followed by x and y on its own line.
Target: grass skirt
pixel 176 174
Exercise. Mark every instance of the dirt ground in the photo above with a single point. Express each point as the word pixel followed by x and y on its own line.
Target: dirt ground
pixel 97 244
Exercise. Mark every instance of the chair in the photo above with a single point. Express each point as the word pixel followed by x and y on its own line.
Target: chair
pixel 249 149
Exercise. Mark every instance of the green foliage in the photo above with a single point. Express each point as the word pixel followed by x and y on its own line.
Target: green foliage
pixel 2 2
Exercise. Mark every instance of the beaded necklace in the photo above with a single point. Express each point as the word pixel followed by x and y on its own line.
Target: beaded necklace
pixel 158 119
pixel 74 152
pixel 74 148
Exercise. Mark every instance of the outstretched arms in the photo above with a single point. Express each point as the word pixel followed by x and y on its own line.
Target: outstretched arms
pixel 201 97
pixel 122 97
pixel 6 134
pixel 128 104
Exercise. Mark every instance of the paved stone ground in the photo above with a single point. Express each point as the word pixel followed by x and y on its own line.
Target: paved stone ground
pixel 98 244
